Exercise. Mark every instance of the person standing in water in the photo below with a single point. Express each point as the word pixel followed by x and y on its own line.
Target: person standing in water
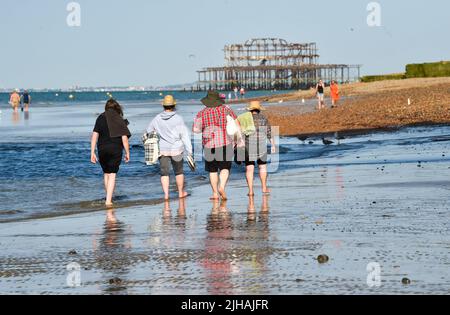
pixel 242 92
pixel 174 140
pixel 256 148
pixel 14 101
pixel 110 135
pixel 26 100
pixel 218 146
pixel 235 92
pixel 334 91
pixel 320 90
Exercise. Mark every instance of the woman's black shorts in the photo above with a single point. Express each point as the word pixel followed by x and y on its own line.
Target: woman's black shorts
pixel 110 157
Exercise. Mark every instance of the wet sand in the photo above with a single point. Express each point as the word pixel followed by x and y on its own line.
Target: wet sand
pixel 368 200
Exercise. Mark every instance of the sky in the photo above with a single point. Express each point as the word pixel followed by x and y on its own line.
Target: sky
pixel 157 43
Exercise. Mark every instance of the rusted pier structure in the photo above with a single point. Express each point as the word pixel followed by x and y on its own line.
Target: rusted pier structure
pixel 271 63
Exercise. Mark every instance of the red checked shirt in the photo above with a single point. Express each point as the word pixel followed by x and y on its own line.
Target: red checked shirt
pixel 212 121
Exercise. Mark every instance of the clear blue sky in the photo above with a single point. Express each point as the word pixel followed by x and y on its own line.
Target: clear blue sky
pixel 147 42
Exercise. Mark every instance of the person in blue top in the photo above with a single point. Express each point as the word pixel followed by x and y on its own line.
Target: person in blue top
pixel 26 100
pixel 174 141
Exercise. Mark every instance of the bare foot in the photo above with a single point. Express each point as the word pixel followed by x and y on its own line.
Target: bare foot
pixel 166 198
pixel 223 194
pixel 183 195
pixel 267 191
pixel 251 194
pixel 109 204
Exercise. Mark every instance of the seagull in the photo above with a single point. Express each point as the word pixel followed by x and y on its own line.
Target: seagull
pixel 302 138
pixel 326 141
pixel 338 138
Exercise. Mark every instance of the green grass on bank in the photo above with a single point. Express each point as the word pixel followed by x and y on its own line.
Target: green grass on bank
pixel 422 70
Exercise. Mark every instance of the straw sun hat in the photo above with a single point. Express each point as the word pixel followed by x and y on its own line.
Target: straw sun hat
pixel 169 101
pixel 255 105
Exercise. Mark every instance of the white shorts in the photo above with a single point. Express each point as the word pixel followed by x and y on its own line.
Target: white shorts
pixel 320 96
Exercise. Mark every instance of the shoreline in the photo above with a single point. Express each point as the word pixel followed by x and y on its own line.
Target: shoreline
pixel 355 213
pixel 364 107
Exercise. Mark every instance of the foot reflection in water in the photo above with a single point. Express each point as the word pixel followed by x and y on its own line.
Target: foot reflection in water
pixel 236 252
pixel 218 256
pixel 258 251
pixel 113 254
pixel 15 118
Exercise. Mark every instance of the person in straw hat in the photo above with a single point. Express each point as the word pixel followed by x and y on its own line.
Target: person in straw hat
pixel 174 141
pixel 256 147
pixel 218 146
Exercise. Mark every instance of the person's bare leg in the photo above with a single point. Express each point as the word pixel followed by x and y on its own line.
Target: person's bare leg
pixel 224 174
pixel 110 189
pixel 214 181
pixel 165 186
pixel 180 186
pixel 263 176
pixel 250 170
pixel 105 179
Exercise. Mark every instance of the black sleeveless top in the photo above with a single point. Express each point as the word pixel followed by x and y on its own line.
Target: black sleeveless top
pixel 320 89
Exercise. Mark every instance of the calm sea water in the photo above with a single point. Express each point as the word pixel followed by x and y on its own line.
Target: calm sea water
pixel 44 155
pixel 58 98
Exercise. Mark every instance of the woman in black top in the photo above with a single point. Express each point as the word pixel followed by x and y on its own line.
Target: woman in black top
pixel 320 89
pixel 110 136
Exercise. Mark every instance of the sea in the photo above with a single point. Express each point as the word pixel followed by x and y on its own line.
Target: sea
pixel 45 168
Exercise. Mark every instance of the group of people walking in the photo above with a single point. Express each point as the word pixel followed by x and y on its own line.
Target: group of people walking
pixel 16 100
pixel 334 93
pixel 225 138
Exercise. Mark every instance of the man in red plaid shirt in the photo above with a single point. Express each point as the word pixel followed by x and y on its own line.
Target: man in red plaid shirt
pixel 218 146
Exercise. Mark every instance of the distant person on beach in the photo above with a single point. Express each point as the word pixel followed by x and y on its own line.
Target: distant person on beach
pixel 320 90
pixel 235 92
pixel 26 100
pixel 218 146
pixel 110 135
pixel 174 141
pixel 334 91
pixel 242 92
pixel 14 100
pixel 256 147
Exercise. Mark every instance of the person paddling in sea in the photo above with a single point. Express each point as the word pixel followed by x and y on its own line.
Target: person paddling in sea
pixel 26 100
pixel 256 147
pixel 218 146
pixel 110 136
pixel 334 91
pixel 14 101
pixel 174 141
pixel 320 90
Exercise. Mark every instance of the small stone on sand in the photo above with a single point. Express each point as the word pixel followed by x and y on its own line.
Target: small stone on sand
pixel 406 281
pixel 322 259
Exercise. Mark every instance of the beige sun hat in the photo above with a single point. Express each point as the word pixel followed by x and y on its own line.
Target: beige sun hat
pixel 255 105
pixel 169 101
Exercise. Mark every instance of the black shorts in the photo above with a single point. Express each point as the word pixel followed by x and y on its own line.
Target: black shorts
pixel 217 159
pixel 261 161
pixel 110 157
pixel 177 165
